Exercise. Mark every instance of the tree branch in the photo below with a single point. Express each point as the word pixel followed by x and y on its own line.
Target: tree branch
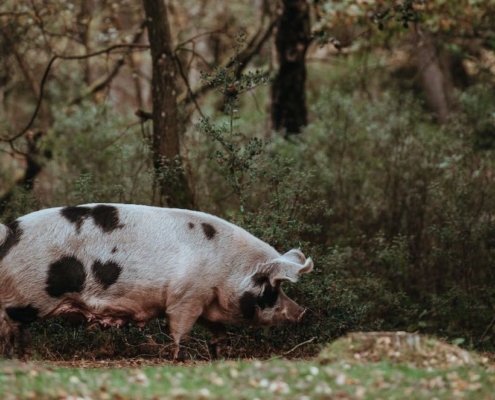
pixel 245 56
pixel 186 82
pixel 144 115
pixel 101 84
pixel 47 71
pixel 192 39
pixel 253 47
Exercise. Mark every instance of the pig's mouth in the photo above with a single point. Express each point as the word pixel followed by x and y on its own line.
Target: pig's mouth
pixel 294 316
pixel 281 318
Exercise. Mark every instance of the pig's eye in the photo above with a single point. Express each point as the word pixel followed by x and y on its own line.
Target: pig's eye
pixel 260 280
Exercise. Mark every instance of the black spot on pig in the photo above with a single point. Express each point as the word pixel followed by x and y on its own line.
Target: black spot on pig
pixel 114 250
pixel 247 304
pixel 76 215
pixel 249 301
pixel 268 298
pixel 106 273
pixel 24 315
pixel 270 294
pixel 13 237
pixel 106 217
pixel 209 230
pixel 191 225
pixel 66 275
pixel 260 279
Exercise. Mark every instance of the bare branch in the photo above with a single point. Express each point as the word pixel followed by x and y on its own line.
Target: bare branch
pixel 192 39
pixel 254 47
pixel 47 71
pixel 189 90
pixel 245 56
pixel 40 24
pixel 100 85
pixel 120 136
pixel 14 14
pixel 144 115
pixel 194 54
pixel 26 72
pixel 299 345
pixel 20 61
pixel 488 328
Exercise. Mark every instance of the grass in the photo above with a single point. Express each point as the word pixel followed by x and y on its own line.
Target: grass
pixel 348 375
pixel 249 380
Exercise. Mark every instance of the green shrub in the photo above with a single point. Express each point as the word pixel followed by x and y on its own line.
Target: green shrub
pixel 98 156
pixel 396 211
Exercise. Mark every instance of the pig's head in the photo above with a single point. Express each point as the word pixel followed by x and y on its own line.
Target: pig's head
pixel 263 301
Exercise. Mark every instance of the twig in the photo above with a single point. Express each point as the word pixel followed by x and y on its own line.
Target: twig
pixel 41 25
pixel 245 56
pixel 300 344
pixel 192 39
pixel 194 54
pixel 120 136
pixel 14 14
pixel 144 115
pixel 97 86
pixel 254 47
pixel 189 90
pixel 490 325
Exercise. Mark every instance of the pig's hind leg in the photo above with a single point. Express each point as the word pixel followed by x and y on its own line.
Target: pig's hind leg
pixel 7 338
pixel 13 329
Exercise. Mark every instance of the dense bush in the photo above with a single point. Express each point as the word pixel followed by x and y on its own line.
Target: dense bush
pixel 395 210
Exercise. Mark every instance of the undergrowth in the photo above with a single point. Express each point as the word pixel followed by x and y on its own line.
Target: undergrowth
pixel 395 210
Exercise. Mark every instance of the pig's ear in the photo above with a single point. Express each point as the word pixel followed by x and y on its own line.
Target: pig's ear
pixel 289 267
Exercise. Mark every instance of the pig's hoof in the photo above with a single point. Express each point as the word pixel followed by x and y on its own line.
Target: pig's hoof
pixel 218 350
pixel 180 356
pixel 8 352
pixel 213 349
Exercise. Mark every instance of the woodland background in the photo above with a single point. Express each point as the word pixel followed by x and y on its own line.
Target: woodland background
pixel 362 132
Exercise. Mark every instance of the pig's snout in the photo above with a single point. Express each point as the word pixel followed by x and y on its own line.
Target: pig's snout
pixel 294 315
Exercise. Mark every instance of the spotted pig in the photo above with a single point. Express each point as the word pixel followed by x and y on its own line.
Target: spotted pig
pixel 116 264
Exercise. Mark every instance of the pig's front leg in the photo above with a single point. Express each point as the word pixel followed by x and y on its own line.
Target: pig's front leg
pixel 219 333
pixel 180 322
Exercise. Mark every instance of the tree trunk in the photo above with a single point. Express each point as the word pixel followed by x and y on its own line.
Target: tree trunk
pixel 170 180
pixel 435 84
pixel 34 165
pixel 289 111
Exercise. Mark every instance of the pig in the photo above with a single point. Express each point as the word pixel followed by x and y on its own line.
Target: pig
pixel 120 263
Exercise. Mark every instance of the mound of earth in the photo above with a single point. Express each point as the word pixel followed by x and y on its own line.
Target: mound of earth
pixel 398 348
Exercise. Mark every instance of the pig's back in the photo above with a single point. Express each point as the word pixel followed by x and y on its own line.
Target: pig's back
pixel 106 251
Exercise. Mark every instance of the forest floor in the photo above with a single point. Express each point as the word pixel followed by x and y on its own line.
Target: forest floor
pixel 358 366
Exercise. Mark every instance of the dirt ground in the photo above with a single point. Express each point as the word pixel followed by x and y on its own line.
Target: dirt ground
pixel 359 346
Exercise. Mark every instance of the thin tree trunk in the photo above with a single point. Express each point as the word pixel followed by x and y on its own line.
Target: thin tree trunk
pixel 170 179
pixel 435 83
pixel 289 111
pixel 34 165
pixel 83 22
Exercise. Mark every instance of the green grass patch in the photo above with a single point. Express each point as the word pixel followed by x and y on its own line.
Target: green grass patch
pixel 249 380
pixel 321 377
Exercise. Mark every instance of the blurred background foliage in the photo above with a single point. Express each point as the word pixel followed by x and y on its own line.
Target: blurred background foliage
pixel 389 185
